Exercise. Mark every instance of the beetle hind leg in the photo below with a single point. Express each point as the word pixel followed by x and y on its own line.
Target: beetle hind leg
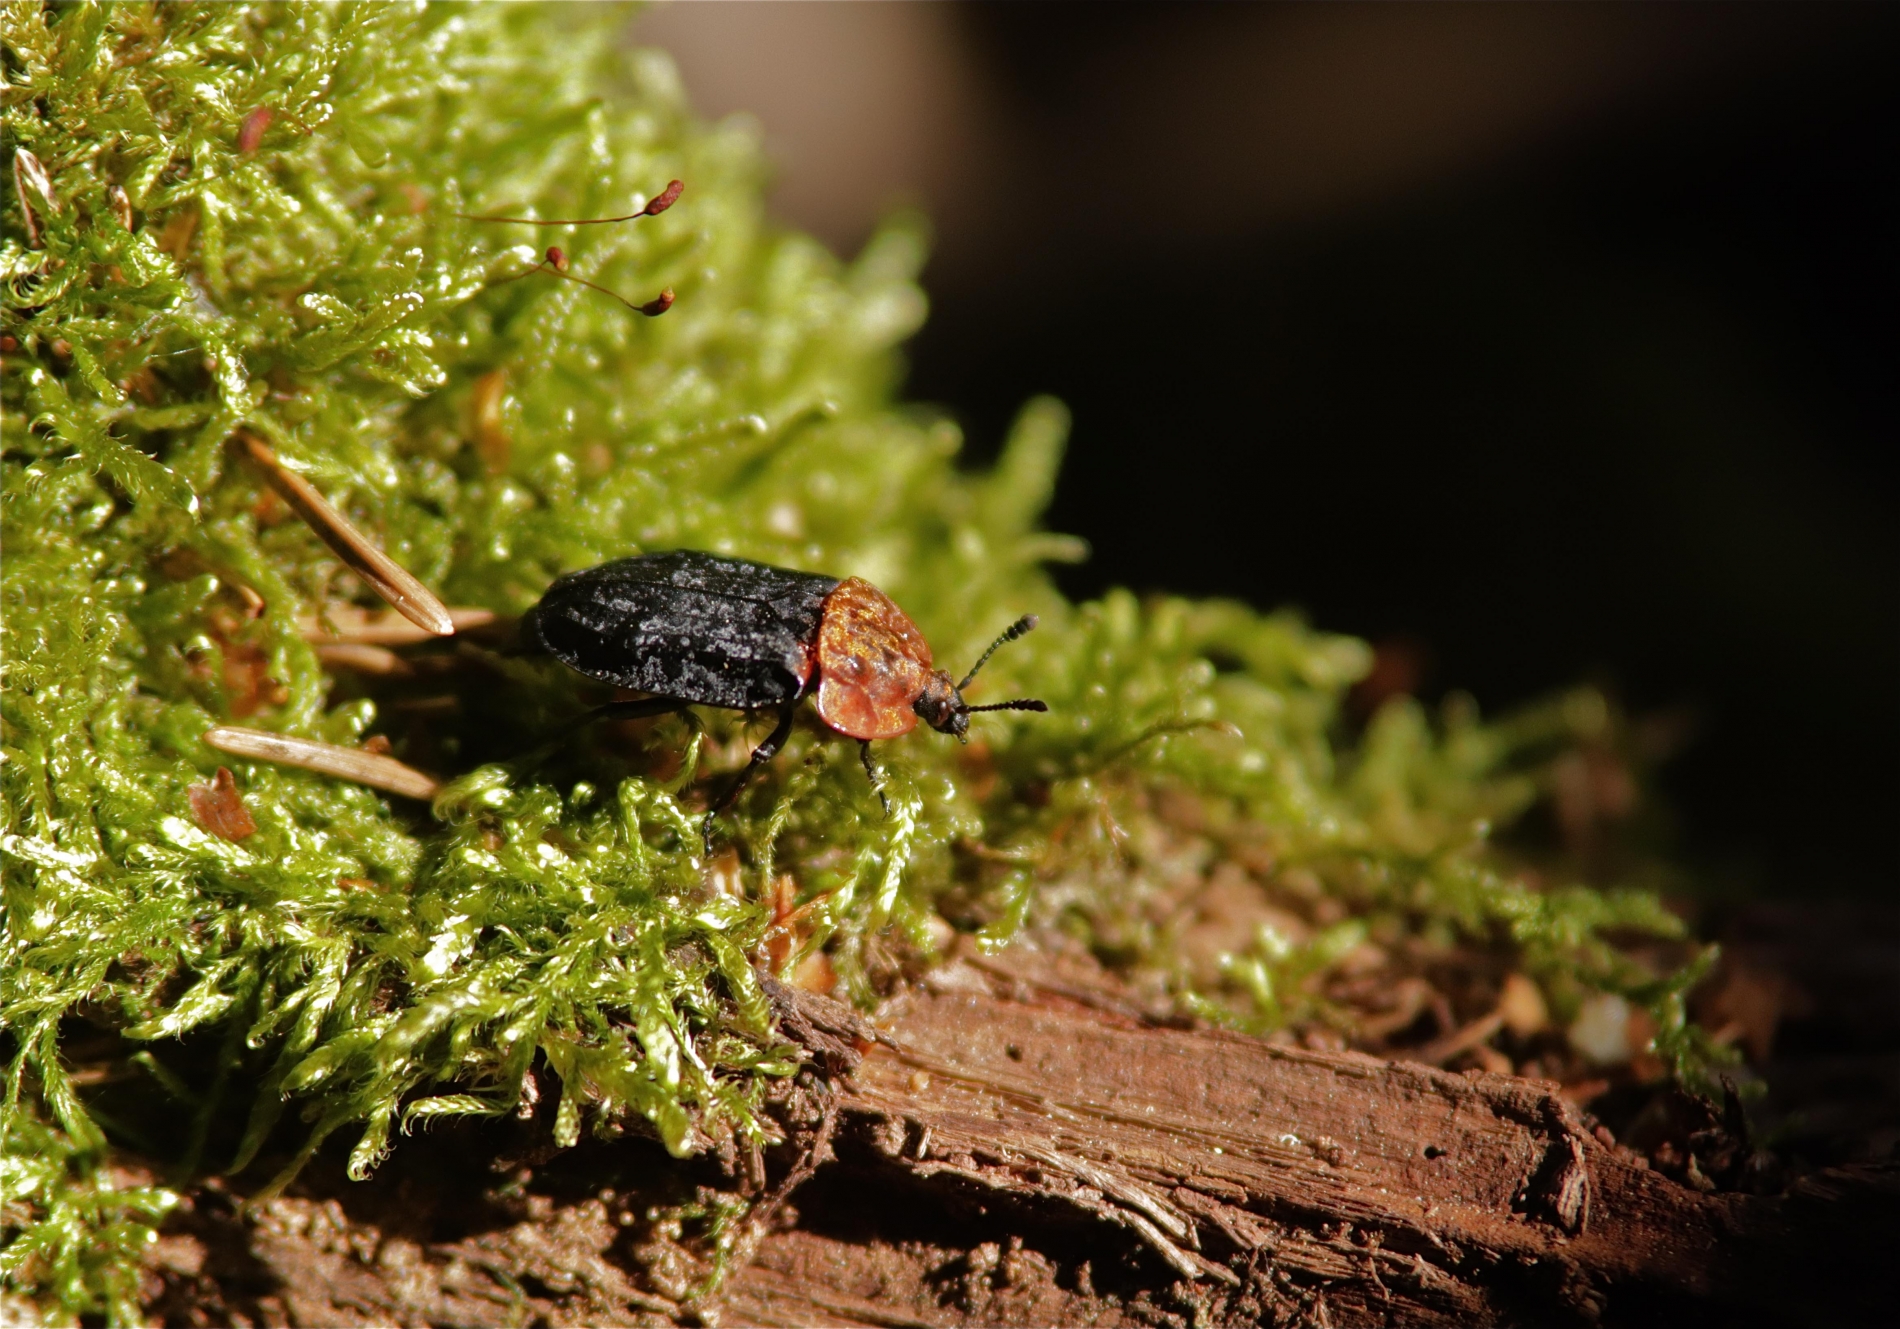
pixel 763 753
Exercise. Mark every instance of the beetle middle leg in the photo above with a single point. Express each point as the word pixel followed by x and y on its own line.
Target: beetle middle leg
pixel 763 753
pixel 875 773
pixel 621 710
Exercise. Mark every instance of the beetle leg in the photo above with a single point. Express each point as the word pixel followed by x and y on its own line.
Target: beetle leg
pixel 763 753
pixel 876 775
pixel 623 710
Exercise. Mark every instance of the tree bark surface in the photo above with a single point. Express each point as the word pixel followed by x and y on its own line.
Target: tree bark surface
pixel 1023 1147
pixel 1269 1184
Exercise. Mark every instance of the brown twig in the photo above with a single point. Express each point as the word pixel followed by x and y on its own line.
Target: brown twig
pixel 809 1160
pixel 1441 1050
pixel 368 768
pixel 385 576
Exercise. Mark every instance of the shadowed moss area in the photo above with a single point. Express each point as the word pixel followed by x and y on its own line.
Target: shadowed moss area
pixel 245 215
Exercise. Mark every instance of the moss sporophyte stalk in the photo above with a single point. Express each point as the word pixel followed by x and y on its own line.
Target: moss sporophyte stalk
pixel 232 222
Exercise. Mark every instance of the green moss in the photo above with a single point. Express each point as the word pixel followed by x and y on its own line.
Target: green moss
pixel 374 966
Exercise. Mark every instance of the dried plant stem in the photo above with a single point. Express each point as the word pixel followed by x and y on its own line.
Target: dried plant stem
pixel 345 763
pixel 29 181
pixel 386 577
pixel 1443 1049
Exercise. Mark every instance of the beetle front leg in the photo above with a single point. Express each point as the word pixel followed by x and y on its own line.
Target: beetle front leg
pixel 763 753
pixel 876 775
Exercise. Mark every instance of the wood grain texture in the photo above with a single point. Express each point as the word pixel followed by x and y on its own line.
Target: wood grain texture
pixel 1270 1184
pixel 1019 1143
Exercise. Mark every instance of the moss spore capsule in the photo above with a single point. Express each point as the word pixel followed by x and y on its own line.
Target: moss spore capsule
pixel 691 628
pixel 555 261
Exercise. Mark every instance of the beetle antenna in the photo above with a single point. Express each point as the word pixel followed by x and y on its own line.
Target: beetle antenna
pixel 555 265
pixel 1010 633
pixel 660 202
pixel 1020 704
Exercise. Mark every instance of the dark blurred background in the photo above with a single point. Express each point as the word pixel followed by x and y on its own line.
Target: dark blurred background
pixel 1536 343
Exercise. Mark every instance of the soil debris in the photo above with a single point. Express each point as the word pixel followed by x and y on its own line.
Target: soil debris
pixel 219 808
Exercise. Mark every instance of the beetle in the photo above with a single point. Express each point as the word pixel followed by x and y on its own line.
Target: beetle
pixel 697 629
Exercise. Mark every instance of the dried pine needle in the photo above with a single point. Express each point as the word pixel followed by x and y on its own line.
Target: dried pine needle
pixel 362 658
pixel 345 763
pixel 386 577
pixel 349 625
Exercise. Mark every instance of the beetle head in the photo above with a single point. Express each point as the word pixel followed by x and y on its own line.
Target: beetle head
pixel 941 706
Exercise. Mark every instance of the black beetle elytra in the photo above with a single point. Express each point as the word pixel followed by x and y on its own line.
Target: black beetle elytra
pixel 691 628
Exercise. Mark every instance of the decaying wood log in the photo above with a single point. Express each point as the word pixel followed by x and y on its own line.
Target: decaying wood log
pixel 1274 1184
pixel 1023 1148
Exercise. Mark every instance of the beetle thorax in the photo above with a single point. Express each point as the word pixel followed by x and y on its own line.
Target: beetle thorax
pixel 874 666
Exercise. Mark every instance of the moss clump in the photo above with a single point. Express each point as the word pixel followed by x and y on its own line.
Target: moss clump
pixel 249 218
